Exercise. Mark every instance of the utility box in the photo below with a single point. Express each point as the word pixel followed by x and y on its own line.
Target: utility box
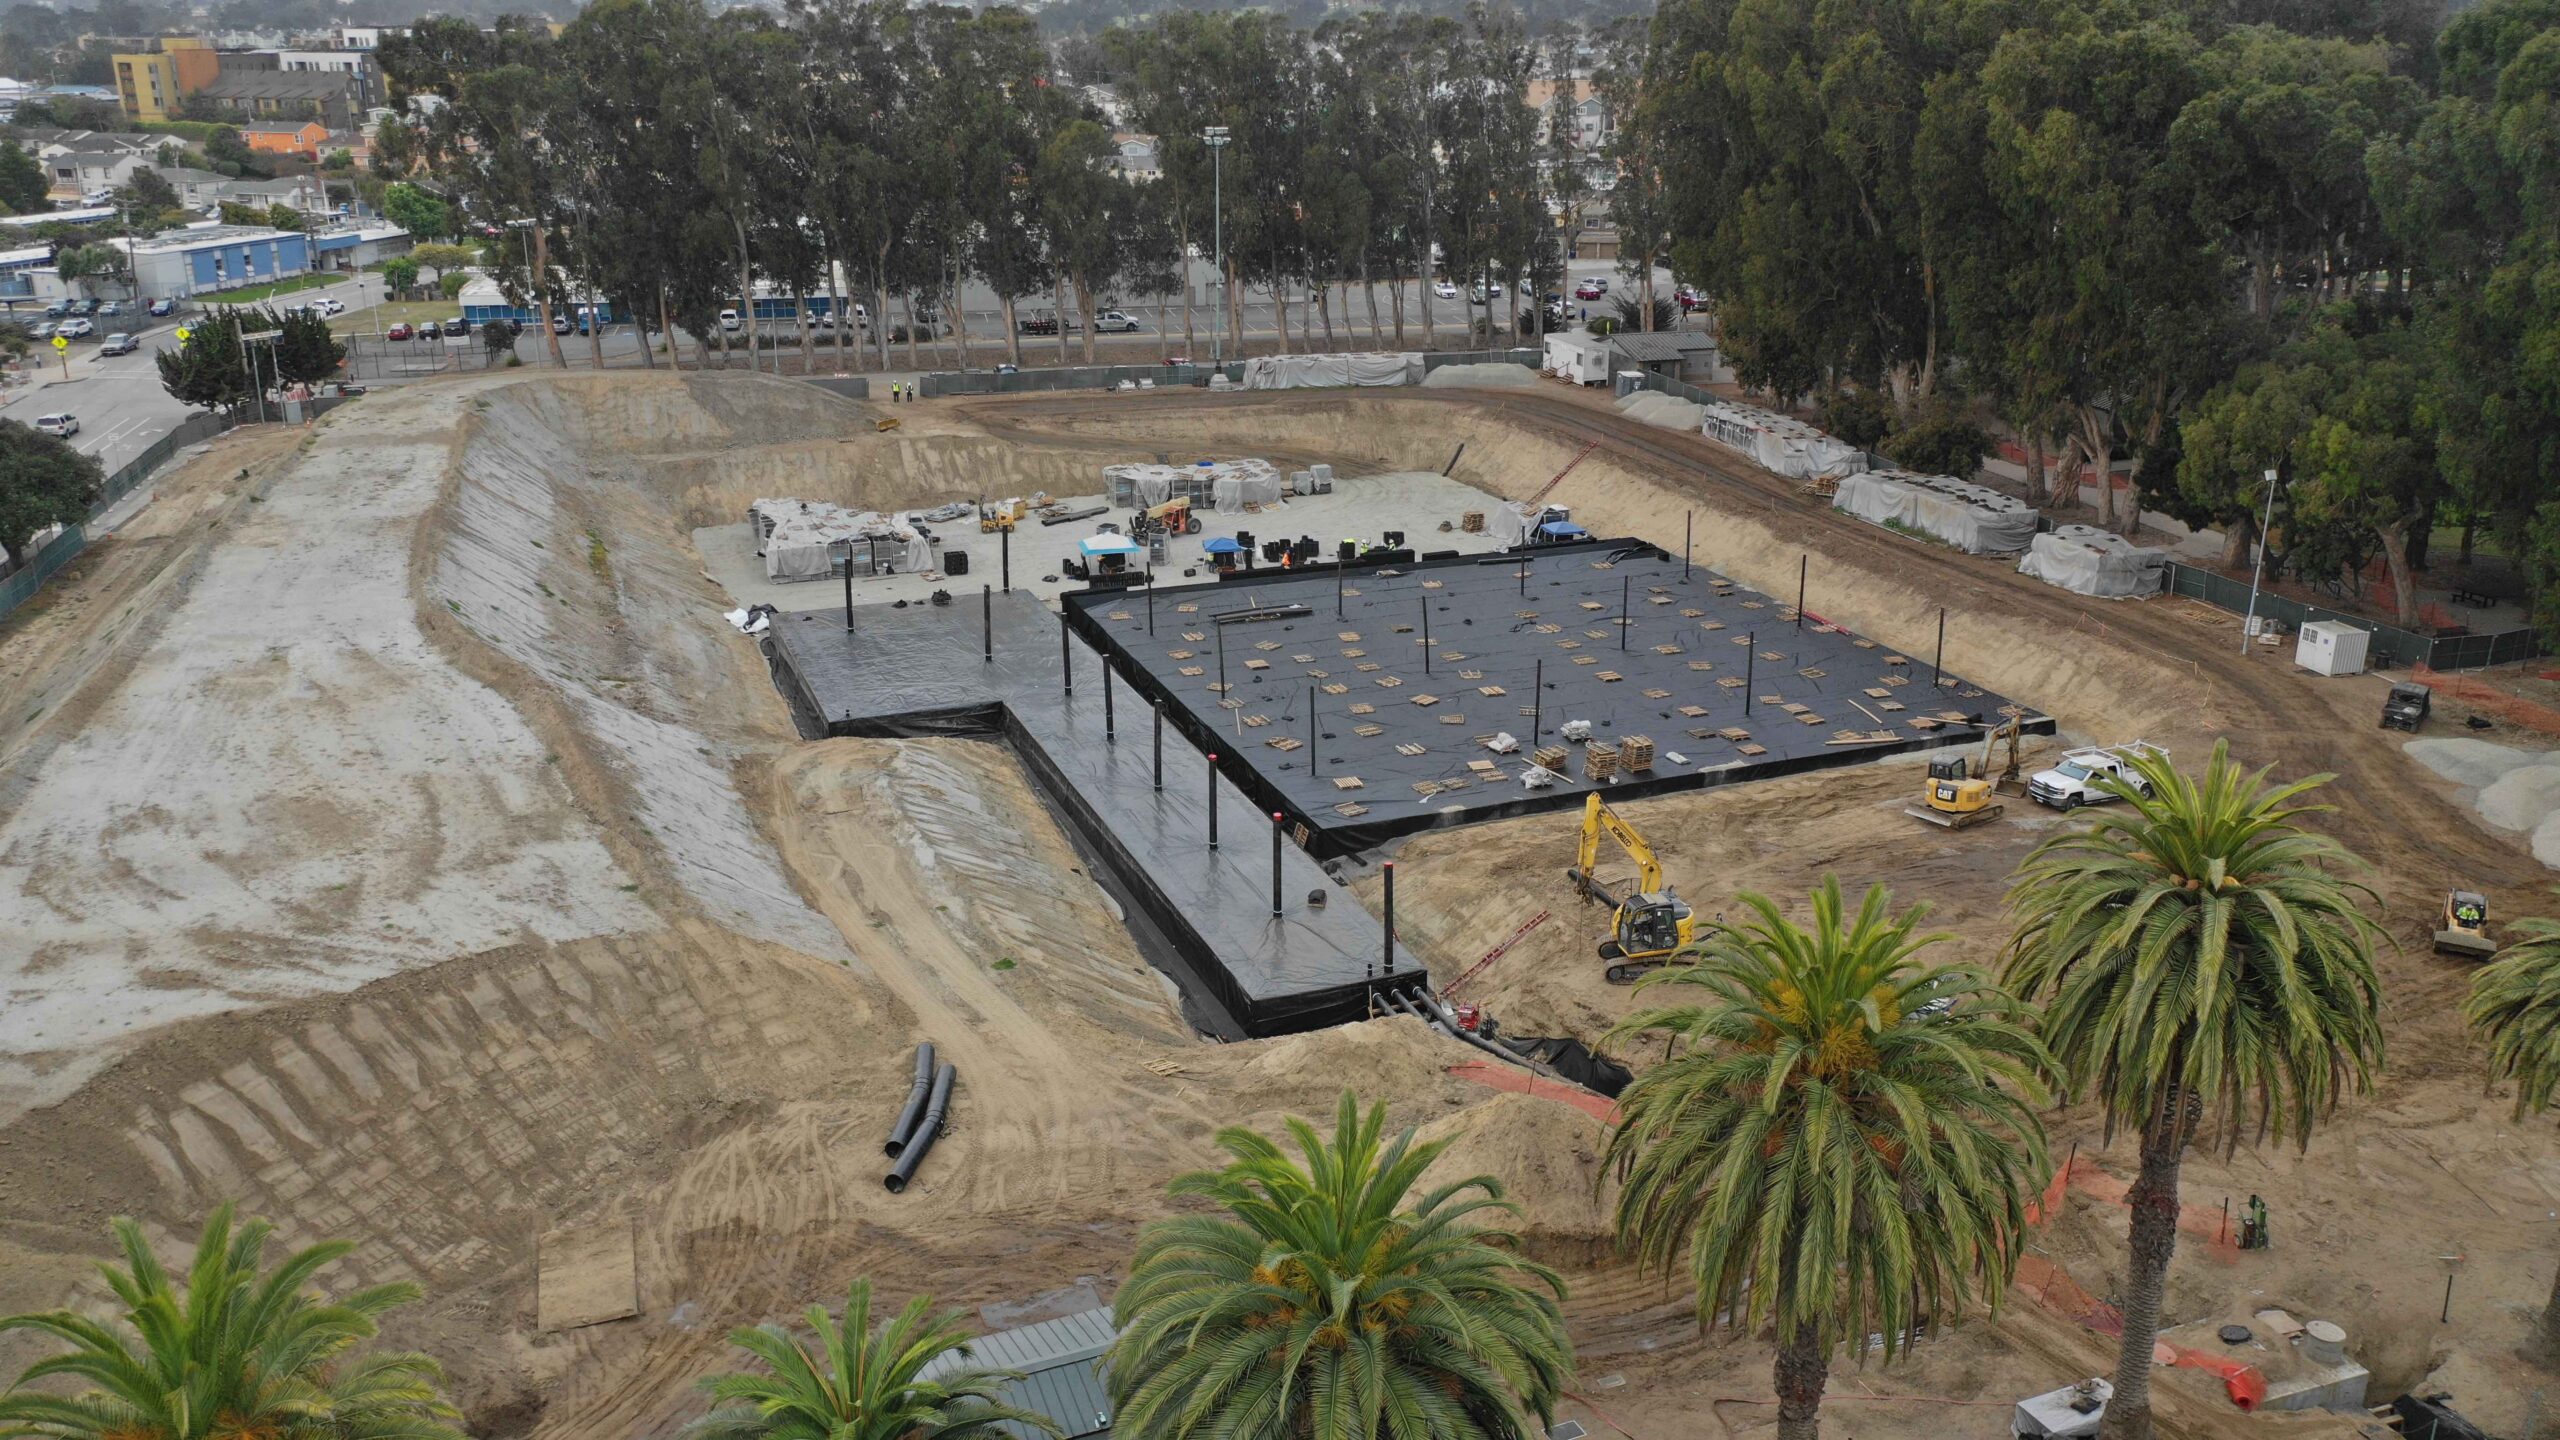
pixel 2331 647
pixel 1582 359
pixel 2070 1413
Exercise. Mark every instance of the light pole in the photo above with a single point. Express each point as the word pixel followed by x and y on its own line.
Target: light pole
pixel 2259 571
pixel 1216 137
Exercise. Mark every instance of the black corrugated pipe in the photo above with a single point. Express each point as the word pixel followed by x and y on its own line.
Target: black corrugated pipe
pixel 926 1129
pixel 899 1133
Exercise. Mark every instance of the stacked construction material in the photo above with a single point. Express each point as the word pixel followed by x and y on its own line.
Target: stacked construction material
pixel 802 538
pixel 1973 518
pixel 2089 561
pixel 1550 757
pixel 1599 761
pixel 1779 443
pixel 1636 753
pixel 1303 372
pixel 919 1122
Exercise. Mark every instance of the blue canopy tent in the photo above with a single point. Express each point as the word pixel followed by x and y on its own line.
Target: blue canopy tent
pixel 1222 545
pixel 1561 530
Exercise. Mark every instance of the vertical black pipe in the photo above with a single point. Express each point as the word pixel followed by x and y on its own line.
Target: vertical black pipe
pixel 1524 574
pixel 1938 665
pixel 1537 703
pixel 1426 634
pixel 1337 589
pixel 1688 531
pixel 1750 664
pixel 1213 799
pixel 987 619
pixel 1004 540
pixel 1275 864
pixel 1159 743
pixel 1626 593
pixel 1311 729
pixel 1390 868
pixel 1222 660
pixel 1066 661
pixel 1109 721
pixel 1151 603
pixel 1802 561
pixel 848 594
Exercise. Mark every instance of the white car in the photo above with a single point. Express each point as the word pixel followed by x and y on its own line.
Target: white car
pixel 64 424
pixel 729 320
pixel 76 328
pixel 1111 321
pixel 2075 782
pixel 325 306
pixel 1479 294
pixel 1446 289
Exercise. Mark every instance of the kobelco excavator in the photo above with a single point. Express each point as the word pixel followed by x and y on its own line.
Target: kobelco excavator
pixel 1650 924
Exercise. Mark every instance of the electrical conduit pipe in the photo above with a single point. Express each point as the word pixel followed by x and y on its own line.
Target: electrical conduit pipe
pixel 926 1129
pixel 904 1130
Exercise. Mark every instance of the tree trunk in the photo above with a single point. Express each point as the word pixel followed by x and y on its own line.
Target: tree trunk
pixel 1369 292
pixel 808 342
pixel 915 342
pixel 1084 312
pixel 2235 542
pixel 2469 527
pixel 1012 330
pixel 2550 1317
pixel 1803 1369
pixel 640 333
pixel 1279 315
pixel 2154 1202
pixel 1190 341
pixel 746 292
pixel 595 332
pixel 1232 296
pixel 2395 560
pixel 1324 308
pixel 542 295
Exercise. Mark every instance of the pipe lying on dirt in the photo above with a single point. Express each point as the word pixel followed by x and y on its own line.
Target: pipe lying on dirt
pixel 905 1128
pixel 921 1141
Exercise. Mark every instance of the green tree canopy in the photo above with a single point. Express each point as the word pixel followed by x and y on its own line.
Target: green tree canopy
pixel 416 211
pixel 43 483
pixel 306 352
pixel 206 370
pixel 1841 1141
pixel 2515 1005
pixel 22 181
pixel 859 1381
pixel 227 1348
pixel 400 272
pixel 1329 1303
pixel 2204 965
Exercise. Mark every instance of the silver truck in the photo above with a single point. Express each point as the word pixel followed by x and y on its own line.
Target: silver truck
pixel 2073 782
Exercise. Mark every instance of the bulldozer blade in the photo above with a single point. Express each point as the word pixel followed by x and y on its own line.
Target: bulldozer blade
pixel 2466 944
pixel 1947 821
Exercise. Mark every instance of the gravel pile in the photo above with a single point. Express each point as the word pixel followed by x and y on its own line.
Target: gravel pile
pixel 2473 763
pixel 1667 411
pixel 1516 376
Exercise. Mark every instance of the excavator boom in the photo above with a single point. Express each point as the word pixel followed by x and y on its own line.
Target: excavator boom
pixel 1597 817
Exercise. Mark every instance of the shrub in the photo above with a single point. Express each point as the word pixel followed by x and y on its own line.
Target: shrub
pixel 1941 440
pixel 1861 417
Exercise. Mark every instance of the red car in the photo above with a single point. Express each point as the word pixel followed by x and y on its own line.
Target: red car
pixel 1592 288
pixel 398 332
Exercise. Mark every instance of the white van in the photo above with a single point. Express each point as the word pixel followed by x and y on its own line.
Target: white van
pixel 64 424
pixel 729 320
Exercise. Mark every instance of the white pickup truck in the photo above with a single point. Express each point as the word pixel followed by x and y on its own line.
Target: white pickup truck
pixel 2074 782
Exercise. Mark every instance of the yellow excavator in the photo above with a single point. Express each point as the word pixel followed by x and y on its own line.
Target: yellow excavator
pixel 1651 924
pixel 1956 797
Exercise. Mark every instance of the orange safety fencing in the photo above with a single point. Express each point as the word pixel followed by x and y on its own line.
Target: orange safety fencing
pixel 1525 1082
pixel 2489 699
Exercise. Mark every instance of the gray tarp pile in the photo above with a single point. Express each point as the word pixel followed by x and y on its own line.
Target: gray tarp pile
pixel 1145 486
pixel 1508 522
pixel 800 537
pixel 2089 561
pixel 1970 517
pixel 1318 372
pixel 1223 485
pixel 1243 482
pixel 1787 446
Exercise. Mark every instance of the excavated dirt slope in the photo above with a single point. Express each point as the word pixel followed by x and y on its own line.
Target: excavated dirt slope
pixel 431 867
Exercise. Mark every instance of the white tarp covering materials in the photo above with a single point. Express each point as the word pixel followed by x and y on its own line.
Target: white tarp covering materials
pixel 2089 561
pixel 1509 522
pixel 1498 372
pixel 1145 486
pixel 1787 446
pixel 1669 412
pixel 800 537
pixel 1972 518
pixel 1238 483
pixel 1317 372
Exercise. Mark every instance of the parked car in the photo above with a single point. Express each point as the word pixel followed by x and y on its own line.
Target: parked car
pixel 84 306
pixel 1114 322
pixel 1591 288
pixel 163 306
pixel 1039 322
pixel 327 306
pixel 119 344
pixel 729 320
pixel 1483 292
pixel 431 331
pixel 561 324
pixel 400 331
pixel 346 388
pixel 41 331
pixel 56 309
pixel 75 328
pixel 1446 289
pixel 62 423
pixel 112 307
pixel 458 325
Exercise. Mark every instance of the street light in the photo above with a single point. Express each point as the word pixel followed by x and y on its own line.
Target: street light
pixel 1216 137
pixel 2260 569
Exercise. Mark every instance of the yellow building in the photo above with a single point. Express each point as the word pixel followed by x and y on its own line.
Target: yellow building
pixel 151 84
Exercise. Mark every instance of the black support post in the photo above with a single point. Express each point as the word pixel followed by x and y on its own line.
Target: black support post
pixel 1222 660
pixel 1626 596
pixel 1750 664
pixel 1066 660
pixel 1426 634
pixel 1803 564
pixel 1110 722
pixel 1213 799
pixel 1337 589
pixel 987 619
pixel 1004 544
pixel 1390 868
pixel 1159 743
pixel 1688 532
pixel 1151 603
pixel 848 594
pixel 1537 702
pixel 1937 667
pixel 1311 729
pixel 1275 864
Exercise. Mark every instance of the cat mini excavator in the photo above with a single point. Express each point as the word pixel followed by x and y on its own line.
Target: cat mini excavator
pixel 1955 797
pixel 1650 924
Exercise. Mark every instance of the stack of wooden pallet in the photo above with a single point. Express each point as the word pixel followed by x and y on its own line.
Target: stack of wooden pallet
pixel 1550 757
pixel 1636 753
pixel 1599 761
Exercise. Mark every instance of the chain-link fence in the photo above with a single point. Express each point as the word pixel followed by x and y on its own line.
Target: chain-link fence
pixel 2390 645
pixel 20 586
pixel 1070 377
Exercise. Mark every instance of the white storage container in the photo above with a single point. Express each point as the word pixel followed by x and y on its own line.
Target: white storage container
pixel 2331 647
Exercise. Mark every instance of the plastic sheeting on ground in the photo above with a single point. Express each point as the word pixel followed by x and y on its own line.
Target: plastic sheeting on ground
pixel 1778 443
pixel 800 539
pixel 1494 373
pixel 1317 372
pixel 2089 561
pixel 1668 412
pixel 1970 517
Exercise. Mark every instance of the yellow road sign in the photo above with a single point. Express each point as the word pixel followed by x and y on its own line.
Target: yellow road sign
pixel 182 334
pixel 60 343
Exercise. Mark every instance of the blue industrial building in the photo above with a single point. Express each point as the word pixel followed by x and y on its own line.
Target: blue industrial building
pixel 205 258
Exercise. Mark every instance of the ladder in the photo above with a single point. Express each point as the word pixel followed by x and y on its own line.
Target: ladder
pixel 1549 488
pixel 1496 953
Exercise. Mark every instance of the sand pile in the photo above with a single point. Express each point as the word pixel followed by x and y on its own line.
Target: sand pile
pixel 2474 763
pixel 1502 374
pixel 1547 1155
pixel 1666 411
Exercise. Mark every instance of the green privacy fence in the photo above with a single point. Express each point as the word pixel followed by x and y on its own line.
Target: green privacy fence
pixel 2391 646
pixel 20 587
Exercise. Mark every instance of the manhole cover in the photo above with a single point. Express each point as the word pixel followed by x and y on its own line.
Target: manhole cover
pixel 2234 1334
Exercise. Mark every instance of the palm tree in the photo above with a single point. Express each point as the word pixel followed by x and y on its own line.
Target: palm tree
pixel 1843 1143
pixel 862 1383
pixel 2515 1005
pixel 2202 958
pixel 227 1354
pixel 1323 1306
